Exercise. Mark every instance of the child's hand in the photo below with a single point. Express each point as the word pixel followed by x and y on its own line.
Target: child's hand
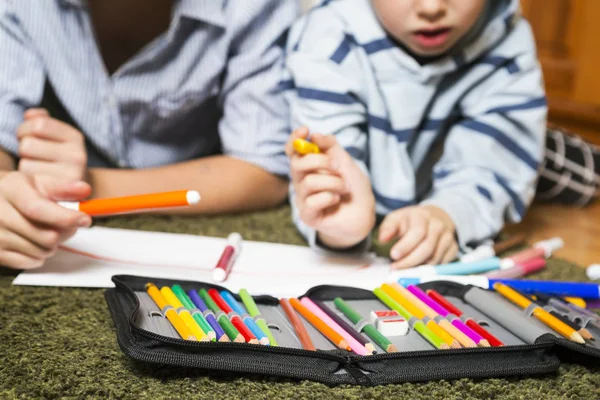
pixel 32 224
pixel 333 195
pixel 50 147
pixel 426 236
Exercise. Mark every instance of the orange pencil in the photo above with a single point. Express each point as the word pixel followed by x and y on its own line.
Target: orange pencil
pixel 315 321
pixel 303 336
pixel 170 312
pixel 132 204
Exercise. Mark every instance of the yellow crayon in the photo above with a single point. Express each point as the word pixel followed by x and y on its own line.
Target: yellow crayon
pixel 304 147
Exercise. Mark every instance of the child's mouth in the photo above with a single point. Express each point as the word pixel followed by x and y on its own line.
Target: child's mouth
pixel 432 38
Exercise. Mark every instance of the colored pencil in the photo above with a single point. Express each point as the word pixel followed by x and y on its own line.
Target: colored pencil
pixel 315 321
pixel 470 322
pixel 209 315
pixel 297 324
pixel 255 313
pixel 248 321
pixel 196 313
pixel 455 327
pixel 231 331
pixel 354 344
pixel 369 329
pixel 414 322
pixel 170 313
pixel 345 326
pixel 538 312
pixel 235 319
pixel 183 312
pixel 416 312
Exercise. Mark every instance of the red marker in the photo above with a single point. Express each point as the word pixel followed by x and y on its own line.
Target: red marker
pixel 228 257
pixel 471 323
pixel 235 319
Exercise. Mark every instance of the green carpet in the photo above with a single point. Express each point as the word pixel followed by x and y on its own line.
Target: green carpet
pixel 60 343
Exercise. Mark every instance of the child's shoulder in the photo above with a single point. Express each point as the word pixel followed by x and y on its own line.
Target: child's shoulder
pixel 326 25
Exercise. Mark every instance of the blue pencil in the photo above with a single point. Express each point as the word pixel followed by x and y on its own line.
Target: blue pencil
pixel 208 314
pixel 248 320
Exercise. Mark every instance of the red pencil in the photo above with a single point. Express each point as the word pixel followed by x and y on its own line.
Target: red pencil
pixel 442 301
pixel 235 319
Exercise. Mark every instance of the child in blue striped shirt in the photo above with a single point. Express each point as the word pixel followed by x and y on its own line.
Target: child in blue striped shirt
pixel 431 113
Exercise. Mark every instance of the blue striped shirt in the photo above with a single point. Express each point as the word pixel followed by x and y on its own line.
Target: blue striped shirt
pixel 346 77
pixel 206 85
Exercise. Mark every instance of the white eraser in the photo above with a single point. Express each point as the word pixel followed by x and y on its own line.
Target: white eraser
pixel 389 323
pixel 593 272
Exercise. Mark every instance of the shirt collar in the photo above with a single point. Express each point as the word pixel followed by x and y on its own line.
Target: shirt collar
pixel 211 11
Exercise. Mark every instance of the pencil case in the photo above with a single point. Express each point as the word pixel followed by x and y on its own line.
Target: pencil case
pixel 530 348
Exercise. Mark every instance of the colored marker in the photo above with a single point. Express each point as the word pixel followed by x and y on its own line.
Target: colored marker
pixel 196 313
pixel 210 316
pixel 519 270
pixel 486 251
pixel 418 313
pixel 413 321
pixel 255 313
pixel 470 322
pixel 184 313
pixel 466 336
pixel 544 249
pixel 553 288
pixel 230 330
pixel 131 204
pixel 455 268
pixel 235 319
pixel 228 257
pixel 169 312
pixel 303 147
pixel 538 312
pixel 320 325
pixel 369 329
pixel 248 321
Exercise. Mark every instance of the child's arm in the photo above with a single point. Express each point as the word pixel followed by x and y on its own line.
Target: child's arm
pixel 324 96
pixel 488 171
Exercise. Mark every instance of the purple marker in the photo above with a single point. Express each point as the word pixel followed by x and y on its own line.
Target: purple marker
pixel 474 336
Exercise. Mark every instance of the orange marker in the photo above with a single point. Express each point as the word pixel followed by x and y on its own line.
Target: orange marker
pixel 325 329
pixel 132 204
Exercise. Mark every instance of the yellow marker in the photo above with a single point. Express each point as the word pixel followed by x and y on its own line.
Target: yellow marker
pixel 417 312
pixel 185 315
pixel 578 301
pixel 538 312
pixel 304 147
pixel 170 312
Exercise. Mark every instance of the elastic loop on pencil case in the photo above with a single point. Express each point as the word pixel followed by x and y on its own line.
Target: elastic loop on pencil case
pixel 195 311
pixel 259 318
pixel 167 308
pixel 180 309
pixel 155 313
pixel 529 310
pixel 244 316
pixel 208 312
pixel 231 314
pixel 360 325
pixel 220 314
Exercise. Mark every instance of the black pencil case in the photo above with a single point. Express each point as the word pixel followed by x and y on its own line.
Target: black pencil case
pixel 146 336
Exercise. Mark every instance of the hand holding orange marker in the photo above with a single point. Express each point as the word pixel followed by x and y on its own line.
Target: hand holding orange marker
pixel 133 204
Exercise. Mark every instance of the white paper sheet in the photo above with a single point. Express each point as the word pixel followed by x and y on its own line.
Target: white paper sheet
pixel 94 255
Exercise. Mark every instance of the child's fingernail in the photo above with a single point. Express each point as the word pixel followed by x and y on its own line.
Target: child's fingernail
pixel 395 254
pixel 84 222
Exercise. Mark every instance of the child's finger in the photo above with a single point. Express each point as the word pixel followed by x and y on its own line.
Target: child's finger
pixel 314 205
pixel 451 253
pixel 325 142
pixel 419 255
pixel 310 163
pixel 300 133
pixel 48 128
pixel 445 242
pixel 315 183
pixel 16 260
pixel 36 113
pixel 10 241
pixel 412 235
pixel 392 225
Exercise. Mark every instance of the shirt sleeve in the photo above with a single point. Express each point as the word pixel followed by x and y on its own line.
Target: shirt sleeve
pixel 21 76
pixel 323 96
pixel 255 123
pixel 488 171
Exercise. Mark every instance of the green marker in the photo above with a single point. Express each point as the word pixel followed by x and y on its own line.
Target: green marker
pixel 198 317
pixel 255 313
pixel 369 329
pixel 415 323
pixel 233 334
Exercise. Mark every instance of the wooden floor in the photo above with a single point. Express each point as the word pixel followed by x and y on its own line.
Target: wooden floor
pixel 578 227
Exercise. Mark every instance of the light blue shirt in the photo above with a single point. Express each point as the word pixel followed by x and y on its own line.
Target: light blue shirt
pixel 206 85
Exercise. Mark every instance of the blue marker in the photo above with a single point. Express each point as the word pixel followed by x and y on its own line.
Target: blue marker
pixel 455 268
pixel 238 309
pixel 551 288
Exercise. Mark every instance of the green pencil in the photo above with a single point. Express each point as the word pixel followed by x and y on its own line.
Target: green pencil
pixel 369 329
pixel 198 317
pixel 255 313
pixel 223 319
pixel 415 323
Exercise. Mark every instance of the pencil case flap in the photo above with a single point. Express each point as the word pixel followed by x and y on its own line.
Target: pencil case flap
pixel 418 362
